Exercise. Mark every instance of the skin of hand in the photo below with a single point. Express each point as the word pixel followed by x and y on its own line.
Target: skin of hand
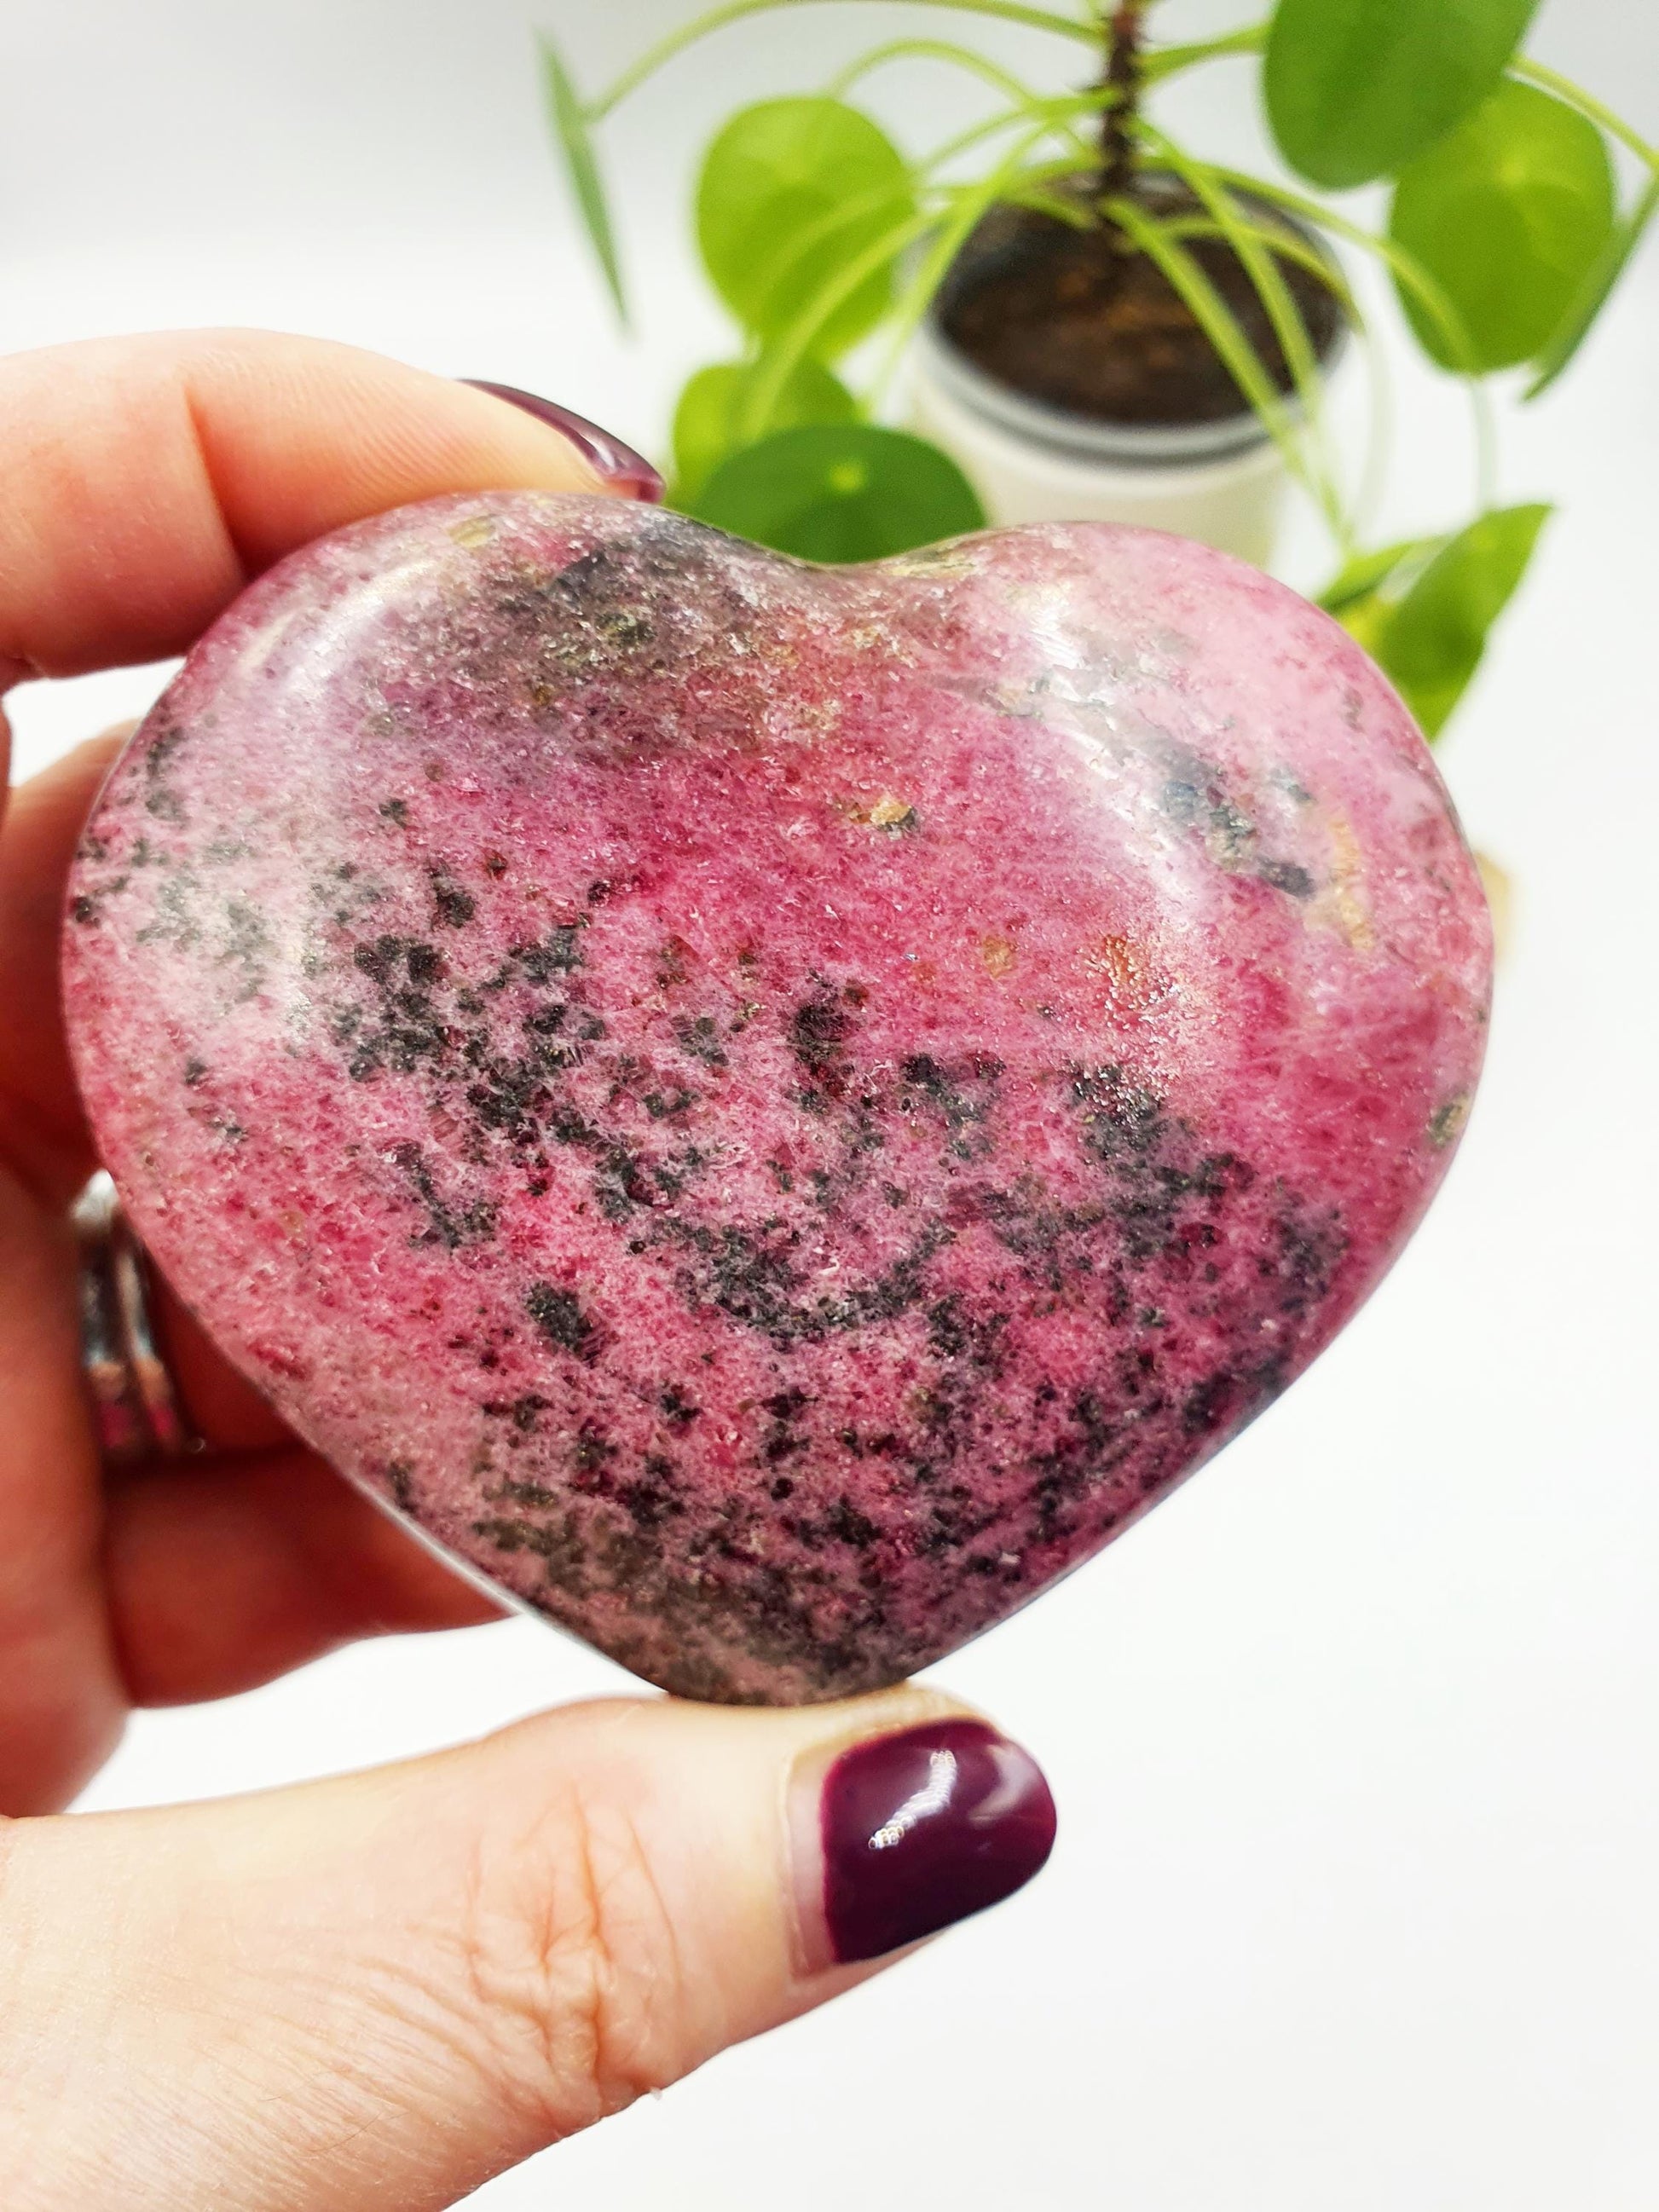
pixel 369 1994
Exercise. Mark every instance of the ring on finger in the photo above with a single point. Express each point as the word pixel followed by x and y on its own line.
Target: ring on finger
pixel 134 1401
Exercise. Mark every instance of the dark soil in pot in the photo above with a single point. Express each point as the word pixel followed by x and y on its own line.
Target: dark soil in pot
pixel 1077 319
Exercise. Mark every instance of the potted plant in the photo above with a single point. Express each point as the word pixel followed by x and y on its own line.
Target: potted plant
pixel 1097 320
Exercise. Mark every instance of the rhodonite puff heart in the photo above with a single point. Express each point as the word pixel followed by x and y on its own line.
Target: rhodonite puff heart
pixel 771 1110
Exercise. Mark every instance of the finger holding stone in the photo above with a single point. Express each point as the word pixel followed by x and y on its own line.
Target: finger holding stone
pixel 62 1699
pixel 220 1575
pixel 385 1988
pixel 225 1571
pixel 216 1403
pixel 148 478
pixel 43 1131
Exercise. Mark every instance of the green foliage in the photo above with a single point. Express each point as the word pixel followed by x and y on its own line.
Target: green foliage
pixel 1430 640
pixel 1356 88
pixel 1509 214
pixel 710 421
pixel 1505 241
pixel 1213 317
pixel 569 123
pixel 791 190
pixel 850 492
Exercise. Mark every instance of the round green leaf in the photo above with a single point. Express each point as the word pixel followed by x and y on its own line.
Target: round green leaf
pixel 851 492
pixel 1431 640
pixel 790 191
pixel 1508 215
pixel 1356 89
pixel 708 420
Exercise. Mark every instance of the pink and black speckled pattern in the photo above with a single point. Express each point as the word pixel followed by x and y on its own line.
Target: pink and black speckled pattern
pixel 773 1110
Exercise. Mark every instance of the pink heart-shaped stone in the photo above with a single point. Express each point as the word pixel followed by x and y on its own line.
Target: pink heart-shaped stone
pixel 772 1110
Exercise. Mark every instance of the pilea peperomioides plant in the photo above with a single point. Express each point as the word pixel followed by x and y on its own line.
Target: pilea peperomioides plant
pixel 1505 234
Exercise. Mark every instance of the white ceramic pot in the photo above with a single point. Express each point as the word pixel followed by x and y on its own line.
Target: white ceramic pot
pixel 1221 483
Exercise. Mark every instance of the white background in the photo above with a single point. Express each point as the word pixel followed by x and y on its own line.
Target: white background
pixel 1356 1905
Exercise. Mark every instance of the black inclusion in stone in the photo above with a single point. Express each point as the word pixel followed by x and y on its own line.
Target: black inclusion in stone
pixel 455 907
pixel 558 1315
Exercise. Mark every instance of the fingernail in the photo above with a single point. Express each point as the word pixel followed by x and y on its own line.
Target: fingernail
pixel 918 1830
pixel 630 473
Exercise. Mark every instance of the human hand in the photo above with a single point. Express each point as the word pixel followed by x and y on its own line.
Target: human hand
pixel 374 1991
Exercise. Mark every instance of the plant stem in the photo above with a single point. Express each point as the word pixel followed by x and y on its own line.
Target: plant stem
pixel 1011 11
pixel 1123 81
pixel 1219 325
pixel 1058 111
pixel 1168 61
pixel 793 347
pixel 1285 244
pixel 972 201
pixel 1416 280
pixel 1279 302
pixel 936 50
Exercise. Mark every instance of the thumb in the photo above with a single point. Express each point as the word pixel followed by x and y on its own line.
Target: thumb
pixel 377 1991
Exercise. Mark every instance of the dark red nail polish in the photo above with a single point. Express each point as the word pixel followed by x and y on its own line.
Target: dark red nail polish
pixel 923 1827
pixel 619 464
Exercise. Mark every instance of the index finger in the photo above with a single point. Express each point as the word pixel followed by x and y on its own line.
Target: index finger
pixel 146 481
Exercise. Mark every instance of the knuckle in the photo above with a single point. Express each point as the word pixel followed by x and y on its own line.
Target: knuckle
pixel 571 1967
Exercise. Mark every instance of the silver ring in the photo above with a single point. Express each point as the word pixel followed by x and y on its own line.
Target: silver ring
pixel 135 1405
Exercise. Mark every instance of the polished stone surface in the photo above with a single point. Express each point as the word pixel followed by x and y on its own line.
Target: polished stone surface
pixel 772 1111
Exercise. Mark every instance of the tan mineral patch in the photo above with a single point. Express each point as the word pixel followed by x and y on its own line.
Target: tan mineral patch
pixel 473 530
pixel 1446 1122
pixel 998 954
pixel 1131 980
pixel 805 718
pixel 930 562
pixel 886 812
pixel 879 637
pixel 1342 906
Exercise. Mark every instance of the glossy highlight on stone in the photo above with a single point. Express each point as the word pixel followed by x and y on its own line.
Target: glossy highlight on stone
pixel 772 1110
